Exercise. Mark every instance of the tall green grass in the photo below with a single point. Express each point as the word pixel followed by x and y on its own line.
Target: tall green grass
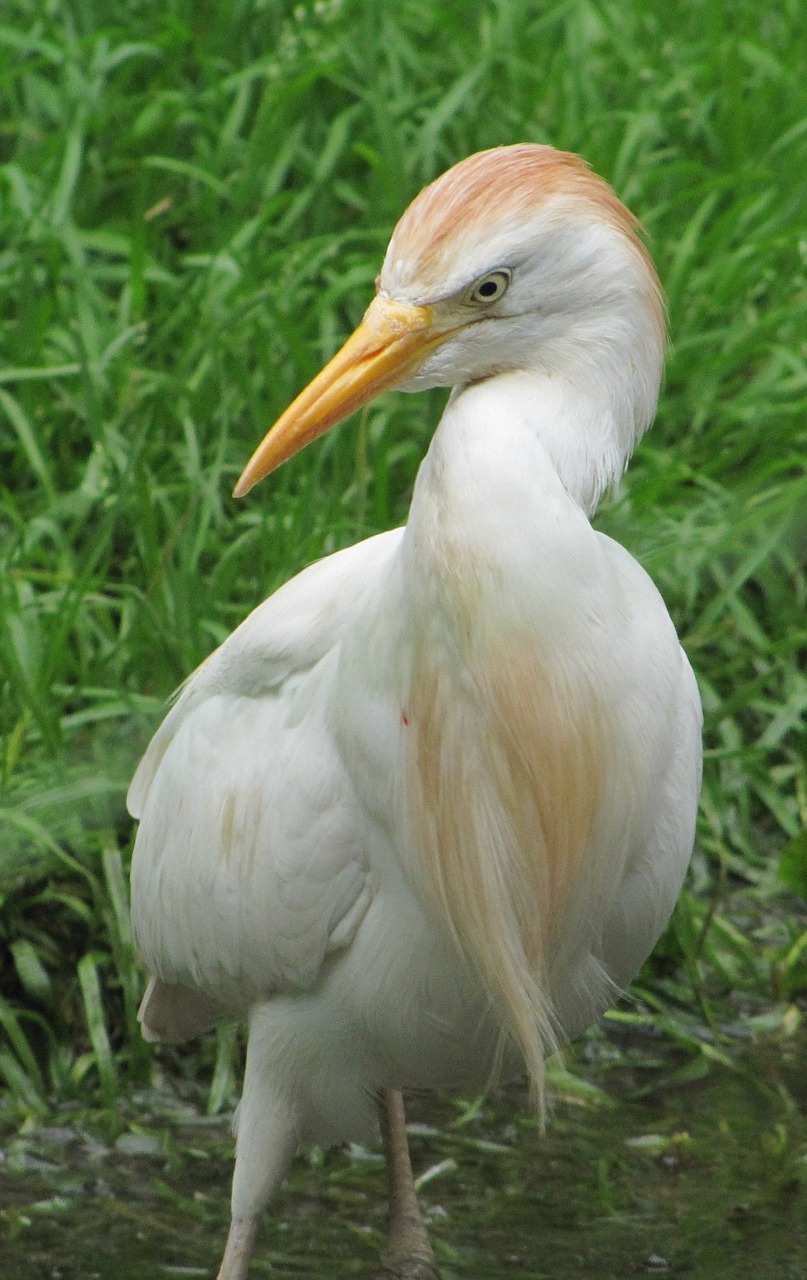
pixel 194 200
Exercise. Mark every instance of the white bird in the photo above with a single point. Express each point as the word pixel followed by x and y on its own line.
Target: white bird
pixel 426 812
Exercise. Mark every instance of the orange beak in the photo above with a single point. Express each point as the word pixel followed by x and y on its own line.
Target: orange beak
pixel 389 345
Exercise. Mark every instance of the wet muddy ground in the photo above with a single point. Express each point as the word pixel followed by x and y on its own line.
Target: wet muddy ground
pixel 704 1181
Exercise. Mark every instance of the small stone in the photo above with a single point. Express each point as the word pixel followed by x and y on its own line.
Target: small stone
pixel 56 1135
pixel 138 1144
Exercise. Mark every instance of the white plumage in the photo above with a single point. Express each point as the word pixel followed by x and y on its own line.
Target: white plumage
pixel 431 805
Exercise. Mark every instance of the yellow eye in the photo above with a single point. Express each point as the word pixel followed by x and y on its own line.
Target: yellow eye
pixel 490 288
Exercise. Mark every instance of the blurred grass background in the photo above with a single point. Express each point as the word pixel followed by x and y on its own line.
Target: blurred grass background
pixel 194 201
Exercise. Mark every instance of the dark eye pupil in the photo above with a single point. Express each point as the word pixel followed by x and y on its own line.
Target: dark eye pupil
pixel 489 288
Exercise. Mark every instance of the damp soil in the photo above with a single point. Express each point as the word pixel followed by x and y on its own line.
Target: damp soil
pixel 700 1181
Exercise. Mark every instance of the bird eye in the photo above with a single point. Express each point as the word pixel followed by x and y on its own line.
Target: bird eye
pixel 490 288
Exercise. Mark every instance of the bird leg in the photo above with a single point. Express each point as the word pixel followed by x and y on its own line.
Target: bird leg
pixel 408 1255
pixel 238 1252
pixel 267 1136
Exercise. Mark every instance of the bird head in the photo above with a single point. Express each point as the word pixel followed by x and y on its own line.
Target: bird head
pixel 518 258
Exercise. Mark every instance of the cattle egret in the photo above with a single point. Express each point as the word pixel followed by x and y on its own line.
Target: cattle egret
pixel 425 813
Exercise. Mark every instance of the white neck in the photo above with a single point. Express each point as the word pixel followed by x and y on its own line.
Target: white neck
pixel 586 425
pixel 491 506
pixel 588 438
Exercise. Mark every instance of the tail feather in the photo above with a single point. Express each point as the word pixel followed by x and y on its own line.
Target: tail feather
pixel 170 1013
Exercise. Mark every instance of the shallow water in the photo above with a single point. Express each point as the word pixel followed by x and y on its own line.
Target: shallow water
pixel 706 1181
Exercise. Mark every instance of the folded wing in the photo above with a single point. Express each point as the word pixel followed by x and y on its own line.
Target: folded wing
pixel 251 861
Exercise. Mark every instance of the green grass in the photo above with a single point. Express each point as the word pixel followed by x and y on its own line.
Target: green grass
pixel 194 200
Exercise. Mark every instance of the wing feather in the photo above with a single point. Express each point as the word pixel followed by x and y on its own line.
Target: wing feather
pixel 249 865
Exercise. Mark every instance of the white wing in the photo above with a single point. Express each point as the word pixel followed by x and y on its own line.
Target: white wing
pixel 250 863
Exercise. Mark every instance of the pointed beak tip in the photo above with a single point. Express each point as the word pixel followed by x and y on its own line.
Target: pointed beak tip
pixel 392 339
pixel 242 488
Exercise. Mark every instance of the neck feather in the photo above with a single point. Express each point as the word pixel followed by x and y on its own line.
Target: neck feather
pixel 504 739
pixel 587 414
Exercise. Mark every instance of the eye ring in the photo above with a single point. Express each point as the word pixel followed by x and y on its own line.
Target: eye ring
pixel 489 288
